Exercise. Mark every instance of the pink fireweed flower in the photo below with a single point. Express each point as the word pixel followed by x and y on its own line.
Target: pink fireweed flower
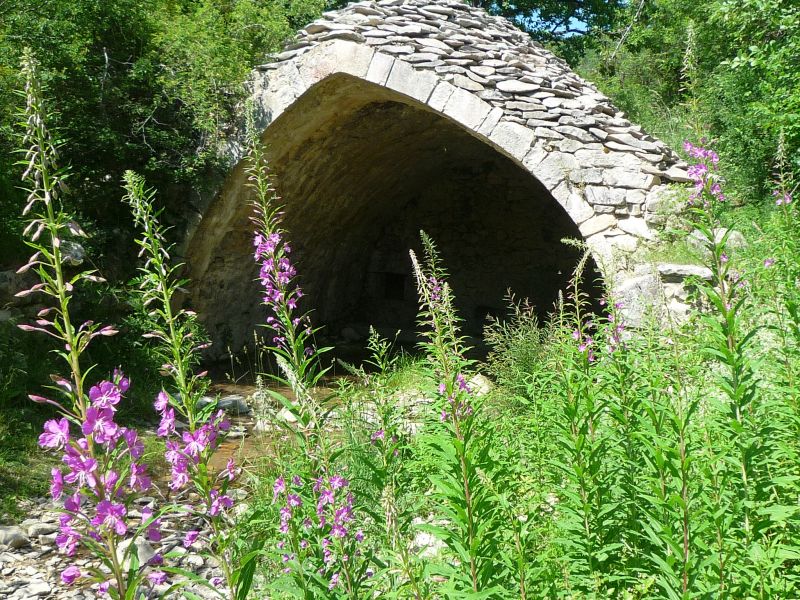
pixel 154 527
pixel 135 445
pixel 157 577
pixel 195 443
pixel 82 469
pixel 378 435
pixel 337 482
pixel 109 482
pixel 70 574
pixel 67 540
pixel 100 425
pixel 110 515
pixel 334 581
pixel 231 470
pixel 105 395
pixel 462 383
pixel 179 476
pixel 768 262
pixel 190 538
pixel 56 434
pixel 173 453
pixel 297 481
pixel 56 483
pixel 72 503
pixel 162 401
pixel 218 422
pixel 286 514
pixel 123 383
pixel 102 589
pixel 326 497
pixel 167 425
pixel 343 514
pixel 139 480
pixel 219 503
pixel 782 198
pixel 278 488
pixel 294 500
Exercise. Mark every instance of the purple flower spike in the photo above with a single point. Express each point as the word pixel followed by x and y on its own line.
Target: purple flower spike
pixel 111 515
pixel 278 488
pixel 190 538
pixel 157 577
pixel 56 434
pixel 162 401
pixel 56 483
pixel 105 394
pixel 100 425
pixel 167 425
pixel 70 574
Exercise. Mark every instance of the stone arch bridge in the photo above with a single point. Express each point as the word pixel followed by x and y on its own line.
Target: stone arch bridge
pixel 387 117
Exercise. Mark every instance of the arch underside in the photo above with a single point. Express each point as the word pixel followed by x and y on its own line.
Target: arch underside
pixel 361 169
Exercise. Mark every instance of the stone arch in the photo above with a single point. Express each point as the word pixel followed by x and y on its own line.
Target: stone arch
pixel 519 109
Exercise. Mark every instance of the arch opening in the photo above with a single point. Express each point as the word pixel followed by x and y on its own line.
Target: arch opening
pixel 361 170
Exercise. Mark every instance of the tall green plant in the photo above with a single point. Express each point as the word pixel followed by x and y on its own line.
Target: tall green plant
pixel 461 454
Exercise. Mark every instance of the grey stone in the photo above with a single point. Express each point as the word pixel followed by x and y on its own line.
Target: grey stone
pixel 513 138
pixel 13 537
pixel 640 296
pixel 512 86
pixel 466 108
pixel 605 196
pixel 38 589
pixel 144 551
pixel 596 224
pixel 404 79
pixel 677 272
pixel 38 529
pixel 575 133
pixel 466 83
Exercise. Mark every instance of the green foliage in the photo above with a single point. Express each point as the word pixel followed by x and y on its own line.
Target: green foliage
pixel 725 69
pixel 148 85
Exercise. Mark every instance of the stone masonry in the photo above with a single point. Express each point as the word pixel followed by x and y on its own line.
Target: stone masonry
pixel 486 78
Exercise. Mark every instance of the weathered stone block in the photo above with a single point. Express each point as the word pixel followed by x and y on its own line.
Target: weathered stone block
pixel 379 68
pixel 405 79
pixel 597 224
pixel 605 196
pixel 514 138
pixel 440 95
pixel 466 108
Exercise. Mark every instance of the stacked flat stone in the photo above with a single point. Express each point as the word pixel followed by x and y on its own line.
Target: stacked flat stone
pixel 593 160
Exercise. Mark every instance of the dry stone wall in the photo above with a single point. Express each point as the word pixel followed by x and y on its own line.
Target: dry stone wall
pixel 490 77
pixel 463 73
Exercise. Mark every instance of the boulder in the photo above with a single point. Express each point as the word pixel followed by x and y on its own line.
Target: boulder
pixel 13 537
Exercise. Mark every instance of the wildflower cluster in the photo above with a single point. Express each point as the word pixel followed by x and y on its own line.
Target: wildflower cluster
pixel 320 539
pixel 104 474
pixel 782 198
pixel 704 174
pixel 458 400
pixel 616 325
pixel 189 457
pixel 585 344
pixel 277 277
